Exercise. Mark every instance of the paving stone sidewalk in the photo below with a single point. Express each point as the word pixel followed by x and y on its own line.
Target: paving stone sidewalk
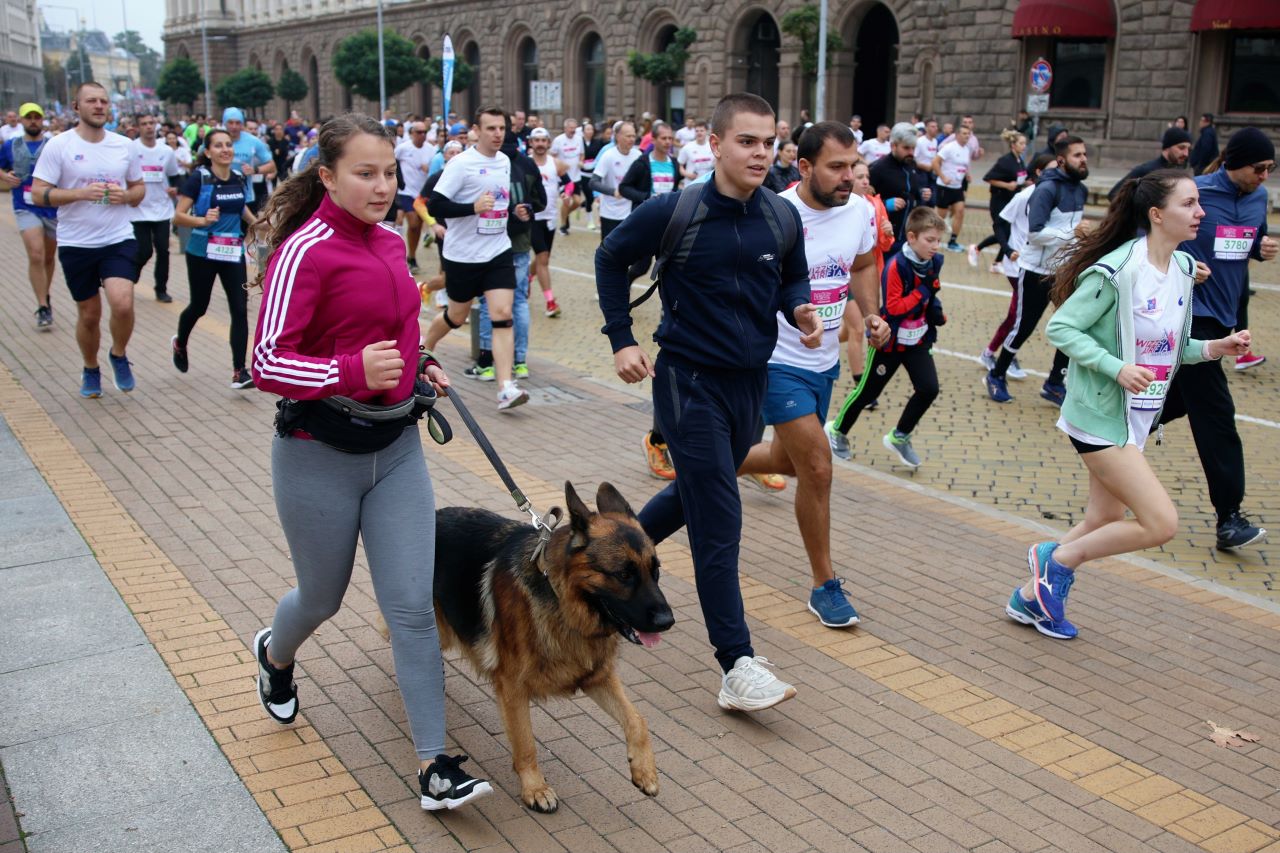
pixel 935 725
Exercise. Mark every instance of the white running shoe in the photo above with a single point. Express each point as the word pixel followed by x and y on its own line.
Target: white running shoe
pixel 511 395
pixel 972 254
pixel 1015 370
pixel 751 687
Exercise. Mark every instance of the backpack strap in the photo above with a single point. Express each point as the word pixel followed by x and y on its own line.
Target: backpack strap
pixel 782 223
pixel 678 236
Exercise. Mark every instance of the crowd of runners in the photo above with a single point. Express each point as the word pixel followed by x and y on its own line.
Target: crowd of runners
pixel 776 251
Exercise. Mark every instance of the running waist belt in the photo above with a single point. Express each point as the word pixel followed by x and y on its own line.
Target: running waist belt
pixel 354 427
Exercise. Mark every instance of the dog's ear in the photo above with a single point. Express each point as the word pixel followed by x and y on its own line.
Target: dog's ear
pixel 609 499
pixel 579 516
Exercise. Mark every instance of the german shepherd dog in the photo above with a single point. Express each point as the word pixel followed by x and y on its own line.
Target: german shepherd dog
pixel 550 626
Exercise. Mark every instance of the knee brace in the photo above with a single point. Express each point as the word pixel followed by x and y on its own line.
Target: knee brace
pixel 502 324
pixel 448 321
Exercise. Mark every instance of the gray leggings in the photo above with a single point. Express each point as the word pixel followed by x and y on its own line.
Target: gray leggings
pixel 326 499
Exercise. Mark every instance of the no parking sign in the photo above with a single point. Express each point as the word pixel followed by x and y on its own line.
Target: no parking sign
pixel 1041 76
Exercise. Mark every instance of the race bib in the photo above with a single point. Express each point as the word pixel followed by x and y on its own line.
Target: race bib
pixel 1233 242
pixel 153 174
pixel 911 332
pixel 26 195
pixel 663 184
pixel 830 303
pixel 492 222
pixel 1153 397
pixel 224 248
pixel 1022 177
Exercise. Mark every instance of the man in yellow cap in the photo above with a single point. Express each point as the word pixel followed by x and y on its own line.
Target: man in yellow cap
pixel 37 225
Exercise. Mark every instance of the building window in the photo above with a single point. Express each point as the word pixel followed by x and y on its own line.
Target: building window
pixel 528 71
pixel 1253 73
pixel 1079 69
pixel 471 55
pixel 593 76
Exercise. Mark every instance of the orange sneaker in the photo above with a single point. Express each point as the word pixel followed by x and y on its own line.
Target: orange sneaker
pixel 659 459
pixel 768 482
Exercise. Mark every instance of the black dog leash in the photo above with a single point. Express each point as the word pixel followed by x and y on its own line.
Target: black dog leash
pixel 544 527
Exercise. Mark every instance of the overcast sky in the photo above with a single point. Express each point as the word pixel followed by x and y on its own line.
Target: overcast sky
pixel 145 16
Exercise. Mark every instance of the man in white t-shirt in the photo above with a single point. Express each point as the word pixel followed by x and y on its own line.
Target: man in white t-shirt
pixel 11 129
pixel 611 168
pixel 414 156
pixel 839 235
pixel 926 150
pixel 568 147
pixel 951 167
pixel 91 175
pixel 686 134
pixel 695 157
pixel 473 198
pixel 543 234
pixel 855 124
pixel 152 219
pixel 873 149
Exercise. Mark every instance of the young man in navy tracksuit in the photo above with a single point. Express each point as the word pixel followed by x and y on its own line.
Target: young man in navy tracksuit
pixel 720 294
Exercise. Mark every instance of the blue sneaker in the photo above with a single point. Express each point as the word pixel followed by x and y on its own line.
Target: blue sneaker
pixel 1054 392
pixel 1052 580
pixel 91 382
pixel 831 605
pixel 997 388
pixel 1029 613
pixel 122 375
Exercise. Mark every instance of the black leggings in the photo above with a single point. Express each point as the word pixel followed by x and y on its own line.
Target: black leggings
pixel 200 274
pixel 1000 237
pixel 880 368
pixel 153 237
pixel 1033 299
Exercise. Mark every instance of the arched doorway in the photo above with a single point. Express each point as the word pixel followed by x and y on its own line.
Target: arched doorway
pixel 875 74
pixel 422 89
pixel 313 89
pixel 528 54
pixel 671 96
pixel 763 44
pixel 471 56
pixel 592 63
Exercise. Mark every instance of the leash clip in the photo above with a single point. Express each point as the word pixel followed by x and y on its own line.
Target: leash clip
pixel 545 528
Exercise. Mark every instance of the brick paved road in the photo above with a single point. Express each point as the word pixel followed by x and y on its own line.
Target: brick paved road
pixel 937 725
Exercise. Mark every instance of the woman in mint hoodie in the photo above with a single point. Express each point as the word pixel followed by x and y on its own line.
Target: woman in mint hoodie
pixel 1124 320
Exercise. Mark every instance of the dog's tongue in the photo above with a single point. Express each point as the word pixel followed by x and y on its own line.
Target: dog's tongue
pixel 648 639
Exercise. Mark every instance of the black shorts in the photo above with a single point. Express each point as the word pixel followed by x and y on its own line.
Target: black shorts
pixel 1083 447
pixel 946 196
pixel 464 282
pixel 542 236
pixel 85 269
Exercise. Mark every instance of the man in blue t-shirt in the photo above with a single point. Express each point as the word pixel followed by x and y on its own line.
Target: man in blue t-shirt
pixel 37 225
pixel 253 158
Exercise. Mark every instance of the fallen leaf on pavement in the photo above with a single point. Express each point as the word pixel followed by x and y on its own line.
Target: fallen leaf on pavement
pixel 1229 737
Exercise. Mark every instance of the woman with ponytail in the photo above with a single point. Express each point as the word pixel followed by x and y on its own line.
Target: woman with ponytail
pixel 212 203
pixel 1124 320
pixel 339 319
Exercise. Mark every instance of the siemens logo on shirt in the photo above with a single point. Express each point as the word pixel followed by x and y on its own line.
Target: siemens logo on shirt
pixel 228 194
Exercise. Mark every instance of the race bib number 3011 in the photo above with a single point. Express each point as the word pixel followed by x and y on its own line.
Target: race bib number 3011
pixel 1233 242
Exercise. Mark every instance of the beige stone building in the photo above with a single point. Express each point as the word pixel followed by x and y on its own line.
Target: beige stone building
pixel 21 71
pixel 1123 69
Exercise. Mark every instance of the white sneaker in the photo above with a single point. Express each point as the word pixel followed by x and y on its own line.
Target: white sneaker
pixel 511 395
pixel 1015 370
pixel 972 254
pixel 751 687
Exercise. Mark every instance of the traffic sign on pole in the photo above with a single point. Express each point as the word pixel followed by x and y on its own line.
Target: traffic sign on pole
pixel 1041 76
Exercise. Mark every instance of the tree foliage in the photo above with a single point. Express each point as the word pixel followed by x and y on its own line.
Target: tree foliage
pixel 248 88
pixel 802 24
pixel 666 66
pixel 149 61
pixel 355 63
pixel 291 87
pixel 180 83
pixel 462 73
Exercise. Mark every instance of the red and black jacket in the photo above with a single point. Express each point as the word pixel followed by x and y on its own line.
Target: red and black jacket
pixel 906 295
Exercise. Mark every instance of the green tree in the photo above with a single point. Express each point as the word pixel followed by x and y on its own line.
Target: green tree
pixel 668 65
pixel 248 88
pixel 55 81
pixel 462 74
pixel 802 24
pixel 291 88
pixel 79 68
pixel 149 61
pixel 355 63
pixel 180 83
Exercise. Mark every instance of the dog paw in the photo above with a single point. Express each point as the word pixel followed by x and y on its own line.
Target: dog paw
pixel 541 799
pixel 644 775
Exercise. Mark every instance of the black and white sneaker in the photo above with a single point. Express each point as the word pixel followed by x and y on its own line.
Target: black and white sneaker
pixel 1236 531
pixel 445 785
pixel 276 690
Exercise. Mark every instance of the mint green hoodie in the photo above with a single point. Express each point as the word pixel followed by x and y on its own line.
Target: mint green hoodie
pixel 1094 328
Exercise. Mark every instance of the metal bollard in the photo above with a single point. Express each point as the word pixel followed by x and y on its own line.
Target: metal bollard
pixel 475 331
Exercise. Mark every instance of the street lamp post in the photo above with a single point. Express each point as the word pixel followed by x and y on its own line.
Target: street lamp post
pixel 204 46
pixel 820 109
pixel 382 70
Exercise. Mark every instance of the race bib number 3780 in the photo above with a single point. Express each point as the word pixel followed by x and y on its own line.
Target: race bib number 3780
pixel 1233 242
